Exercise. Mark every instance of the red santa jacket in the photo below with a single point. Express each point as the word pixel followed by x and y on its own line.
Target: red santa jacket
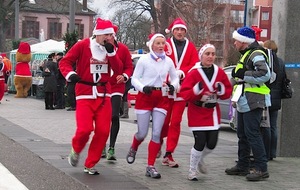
pixel 125 57
pixel 93 66
pixel 187 60
pixel 199 117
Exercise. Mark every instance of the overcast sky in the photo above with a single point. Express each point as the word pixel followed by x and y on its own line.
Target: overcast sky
pixel 102 5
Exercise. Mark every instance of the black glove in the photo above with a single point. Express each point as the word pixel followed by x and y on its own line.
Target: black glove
pixel 8 73
pixel 171 89
pixel 74 78
pixel 219 87
pixel 109 47
pixel 200 85
pixel 147 89
pixel 239 74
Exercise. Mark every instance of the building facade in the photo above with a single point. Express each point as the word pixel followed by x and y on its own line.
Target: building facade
pixel 51 19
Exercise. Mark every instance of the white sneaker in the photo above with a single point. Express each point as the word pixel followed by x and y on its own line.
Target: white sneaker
pixel 192 175
pixel 91 171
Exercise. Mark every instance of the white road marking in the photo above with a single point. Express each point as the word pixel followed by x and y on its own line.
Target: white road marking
pixel 8 181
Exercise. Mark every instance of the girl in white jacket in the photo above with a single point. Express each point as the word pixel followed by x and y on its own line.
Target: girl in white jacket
pixel 150 79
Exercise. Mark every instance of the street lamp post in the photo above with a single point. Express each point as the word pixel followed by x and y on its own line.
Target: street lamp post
pixel 17 20
pixel 245 12
pixel 72 16
pixel 17 12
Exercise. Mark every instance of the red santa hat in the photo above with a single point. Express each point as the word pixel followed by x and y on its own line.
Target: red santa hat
pixel 116 28
pixel 24 48
pixel 257 32
pixel 152 37
pixel 177 23
pixel 103 27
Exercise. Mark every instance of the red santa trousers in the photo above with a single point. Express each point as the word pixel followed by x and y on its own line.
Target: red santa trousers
pixel 92 115
pixel 171 127
pixel 1 89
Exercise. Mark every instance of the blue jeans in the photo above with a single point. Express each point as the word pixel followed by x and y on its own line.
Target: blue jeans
pixel 273 122
pixel 250 138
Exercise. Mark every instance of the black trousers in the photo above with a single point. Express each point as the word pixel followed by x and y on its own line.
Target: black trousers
pixel 49 100
pixel 71 94
pixel 60 97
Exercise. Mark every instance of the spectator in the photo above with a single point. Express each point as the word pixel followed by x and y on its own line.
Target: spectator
pixel 184 55
pixel 203 86
pixel 71 97
pixel 8 66
pixel 125 104
pixel 61 83
pixel 276 88
pixel 149 78
pixel 50 83
pixel 251 96
pixel 94 60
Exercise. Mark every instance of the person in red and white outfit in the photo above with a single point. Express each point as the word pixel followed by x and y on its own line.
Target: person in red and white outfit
pixel 2 77
pixel 150 79
pixel 95 58
pixel 203 86
pixel 117 82
pixel 184 55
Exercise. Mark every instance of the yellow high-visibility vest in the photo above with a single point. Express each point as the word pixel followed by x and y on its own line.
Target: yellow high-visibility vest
pixel 260 89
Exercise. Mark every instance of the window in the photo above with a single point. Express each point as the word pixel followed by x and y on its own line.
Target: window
pixel 237 16
pixel 265 16
pixel 264 33
pixel 54 29
pixel 79 28
pixel 30 28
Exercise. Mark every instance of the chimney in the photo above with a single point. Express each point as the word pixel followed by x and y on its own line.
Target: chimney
pixel 84 6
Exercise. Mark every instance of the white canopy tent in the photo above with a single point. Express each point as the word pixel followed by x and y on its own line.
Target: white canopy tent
pixel 46 47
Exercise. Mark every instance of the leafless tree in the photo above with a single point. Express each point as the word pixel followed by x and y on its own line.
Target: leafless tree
pixel 140 7
pixel 207 20
pixel 133 29
pixel 200 15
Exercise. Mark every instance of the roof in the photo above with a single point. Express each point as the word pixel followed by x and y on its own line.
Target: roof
pixel 54 7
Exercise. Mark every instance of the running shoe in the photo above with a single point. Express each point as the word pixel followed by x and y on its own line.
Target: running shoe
pixel 73 158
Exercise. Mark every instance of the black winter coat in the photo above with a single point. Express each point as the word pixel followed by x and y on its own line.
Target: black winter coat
pixel 276 86
pixel 50 83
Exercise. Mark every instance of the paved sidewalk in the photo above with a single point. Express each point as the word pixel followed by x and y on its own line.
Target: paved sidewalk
pixel 48 134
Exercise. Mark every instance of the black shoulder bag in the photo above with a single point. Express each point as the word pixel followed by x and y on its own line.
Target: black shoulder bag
pixel 286 91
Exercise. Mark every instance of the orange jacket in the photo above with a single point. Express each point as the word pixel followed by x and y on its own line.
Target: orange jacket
pixel 7 63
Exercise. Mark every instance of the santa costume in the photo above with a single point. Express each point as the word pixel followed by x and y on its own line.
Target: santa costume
pixel 203 86
pixel 117 82
pixel 184 55
pixel 94 65
pixel 150 79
